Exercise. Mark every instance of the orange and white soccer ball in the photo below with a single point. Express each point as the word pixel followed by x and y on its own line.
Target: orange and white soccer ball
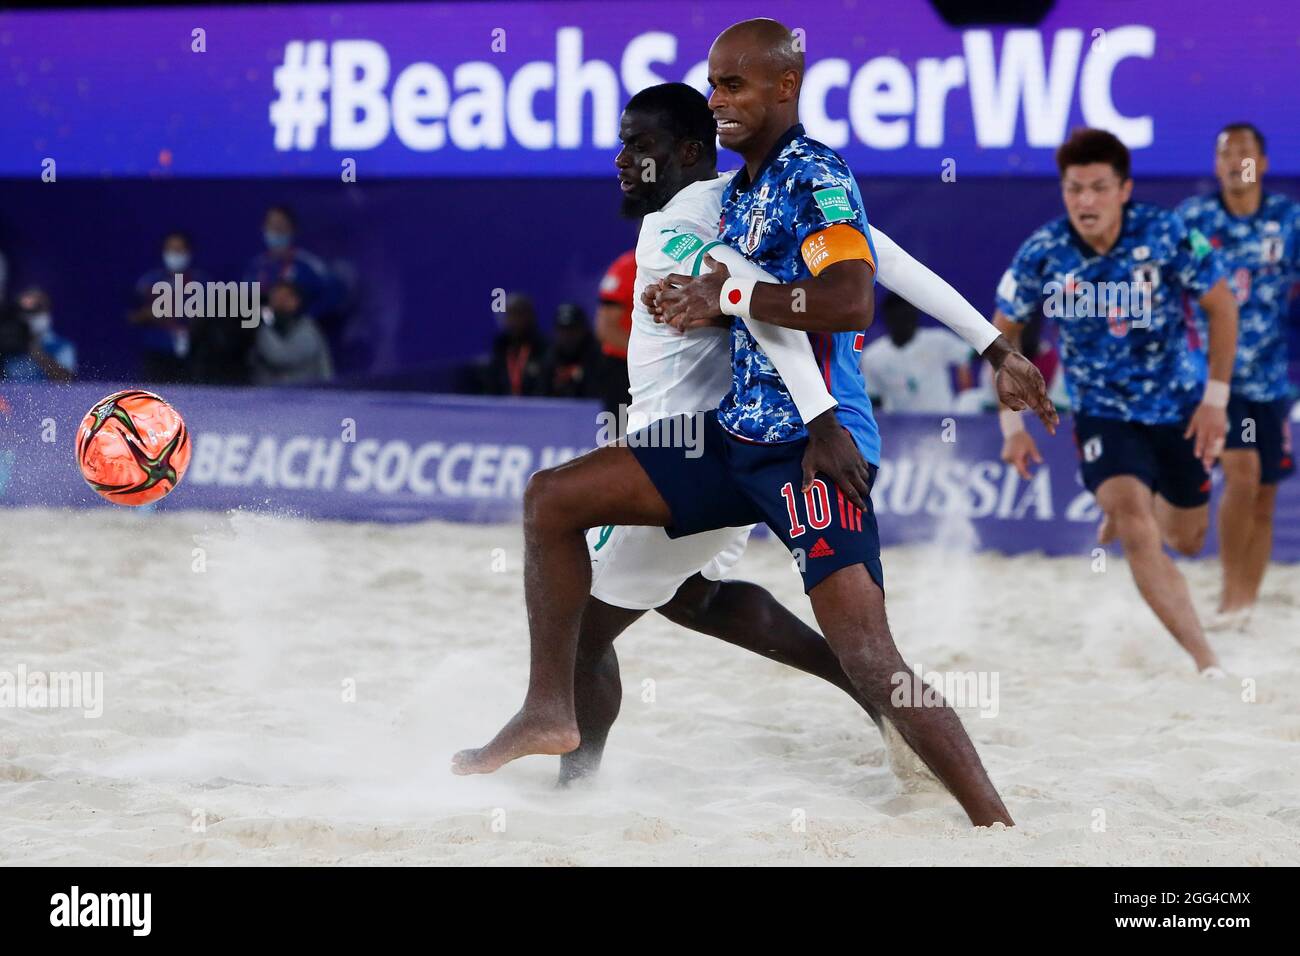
pixel 133 447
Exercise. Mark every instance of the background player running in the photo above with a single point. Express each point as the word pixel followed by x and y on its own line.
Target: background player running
pixel 750 467
pixel 1257 234
pixel 1147 423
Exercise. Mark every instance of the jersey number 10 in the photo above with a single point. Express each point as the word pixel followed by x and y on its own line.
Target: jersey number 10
pixel 817 502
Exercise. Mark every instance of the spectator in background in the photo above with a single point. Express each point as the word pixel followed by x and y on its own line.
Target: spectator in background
pixel 910 368
pixel 13 332
pixel 518 352
pixel 15 340
pixel 165 341
pixel 48 357
pixel 572 367
pixel 289 347
pixel 6 313
pixel 614 326
pixel 284 261
pixel 220 349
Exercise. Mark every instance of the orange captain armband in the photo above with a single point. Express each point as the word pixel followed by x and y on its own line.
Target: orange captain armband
pixel 833 244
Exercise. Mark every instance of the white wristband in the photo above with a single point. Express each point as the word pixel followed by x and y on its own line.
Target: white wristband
pixel 1216 394
pixel 735 296
pixel 1010 422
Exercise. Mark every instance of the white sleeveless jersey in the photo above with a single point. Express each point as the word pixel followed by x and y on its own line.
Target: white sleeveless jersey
pixel 671 373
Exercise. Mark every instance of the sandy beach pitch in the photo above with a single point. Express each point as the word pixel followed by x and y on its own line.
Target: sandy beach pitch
pixel 297 700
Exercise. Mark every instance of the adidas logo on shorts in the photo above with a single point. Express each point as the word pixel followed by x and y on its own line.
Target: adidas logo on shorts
pixel 821 549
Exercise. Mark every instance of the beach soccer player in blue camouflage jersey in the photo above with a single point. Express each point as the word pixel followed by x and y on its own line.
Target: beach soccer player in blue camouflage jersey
pixel 800 214
pixel 1257 235
pixel 803 222
pixel 1114 275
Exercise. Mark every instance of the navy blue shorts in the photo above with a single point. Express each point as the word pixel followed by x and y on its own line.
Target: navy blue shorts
pixel 1263 427
pixel 725 482
pixel 1157 455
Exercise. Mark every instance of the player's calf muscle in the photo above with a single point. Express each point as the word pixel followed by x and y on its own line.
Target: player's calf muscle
pixel 1265 503
pixel 1241 468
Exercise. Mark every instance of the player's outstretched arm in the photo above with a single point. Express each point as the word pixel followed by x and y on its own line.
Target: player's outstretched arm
pixel 901 273
pixel 1018 447
pixel 1020 385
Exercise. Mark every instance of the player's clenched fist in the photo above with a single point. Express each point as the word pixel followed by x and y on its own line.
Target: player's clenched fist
pixel 686 303
pixel 650 298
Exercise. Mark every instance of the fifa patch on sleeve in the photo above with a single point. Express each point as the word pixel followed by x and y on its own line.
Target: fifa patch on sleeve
pixel 1200 245
pixel 834 203
pixel 834 244
pixel 1007 286
pixel 678 248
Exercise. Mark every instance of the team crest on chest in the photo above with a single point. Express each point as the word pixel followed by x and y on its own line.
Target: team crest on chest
pixel 755 233
pixel 757 214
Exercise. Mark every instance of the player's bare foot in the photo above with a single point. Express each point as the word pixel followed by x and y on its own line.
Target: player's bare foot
pixel 525 733
pixel 1105 531
pixel 1231 619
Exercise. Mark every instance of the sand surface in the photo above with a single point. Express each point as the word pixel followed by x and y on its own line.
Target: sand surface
pixel 229 733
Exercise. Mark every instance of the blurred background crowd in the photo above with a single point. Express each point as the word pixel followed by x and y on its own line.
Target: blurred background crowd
pixel 306 303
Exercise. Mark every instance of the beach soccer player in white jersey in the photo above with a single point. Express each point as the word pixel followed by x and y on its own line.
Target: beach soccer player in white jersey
pixel 728 482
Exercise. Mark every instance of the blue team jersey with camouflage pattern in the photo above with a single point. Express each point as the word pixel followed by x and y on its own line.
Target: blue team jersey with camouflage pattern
pixel 1119 363
pixel 802 188
pixel 1261 254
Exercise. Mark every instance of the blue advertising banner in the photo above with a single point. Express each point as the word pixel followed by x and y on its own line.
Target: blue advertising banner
pixel 535 89
pixel 376 457
pixel 318 454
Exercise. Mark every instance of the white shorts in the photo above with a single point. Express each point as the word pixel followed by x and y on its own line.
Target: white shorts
pixel 640 568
